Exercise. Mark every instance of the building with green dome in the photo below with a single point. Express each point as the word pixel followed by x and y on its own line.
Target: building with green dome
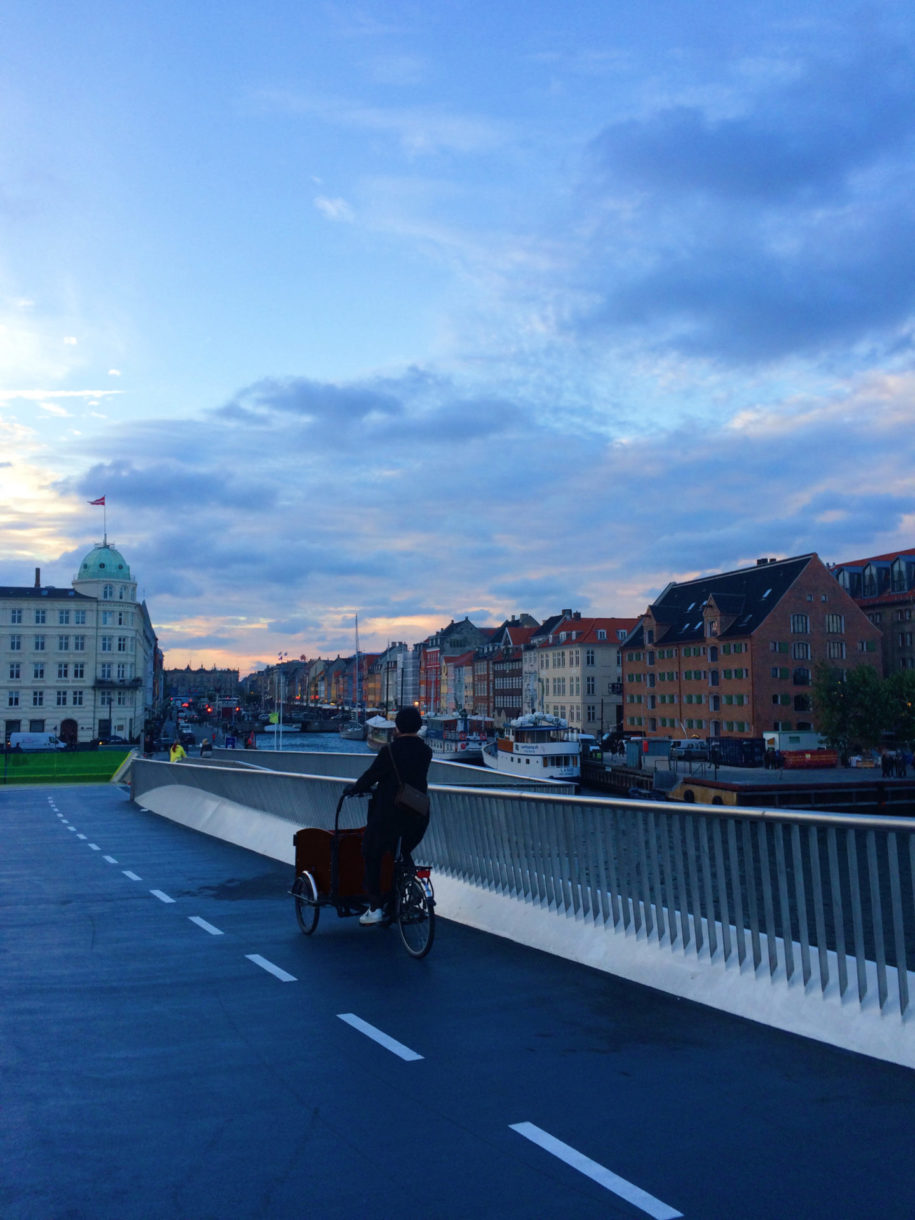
pixel 82 662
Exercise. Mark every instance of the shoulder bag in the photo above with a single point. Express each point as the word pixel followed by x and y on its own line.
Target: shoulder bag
pixel 408 798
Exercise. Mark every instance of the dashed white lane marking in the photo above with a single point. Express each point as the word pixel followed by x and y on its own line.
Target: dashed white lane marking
pixel 132 876
pixel 383 1039
pixel 110 859
pixel 72 830
pixel 207 927
pixel 598 1173
pixel 95 846
pixel 81 836
pixel 161 895
pixel 270 968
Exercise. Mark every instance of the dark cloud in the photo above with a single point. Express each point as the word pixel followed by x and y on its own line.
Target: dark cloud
pixel 783 228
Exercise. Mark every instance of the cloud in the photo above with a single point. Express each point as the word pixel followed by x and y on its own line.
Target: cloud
pixel 748 237
pixel 334 209
pixel 276 518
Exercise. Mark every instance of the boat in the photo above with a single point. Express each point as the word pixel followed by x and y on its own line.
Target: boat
pixel 536 746
pixel 379 732
pixel 353 729
pixel 457 738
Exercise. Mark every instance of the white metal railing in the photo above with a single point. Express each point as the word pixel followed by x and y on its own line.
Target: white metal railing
pixel 800 896
pixel 823 900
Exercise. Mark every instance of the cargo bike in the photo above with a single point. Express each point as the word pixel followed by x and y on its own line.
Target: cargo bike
pixel 329 873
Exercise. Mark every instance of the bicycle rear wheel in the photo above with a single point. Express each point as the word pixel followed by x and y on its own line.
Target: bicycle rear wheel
pixel 415 918
pixel 305 897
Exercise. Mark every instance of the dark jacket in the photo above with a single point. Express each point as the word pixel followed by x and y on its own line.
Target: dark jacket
pixel 412 756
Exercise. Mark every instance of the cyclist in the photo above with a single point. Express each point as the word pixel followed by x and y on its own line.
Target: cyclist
pixel 405 761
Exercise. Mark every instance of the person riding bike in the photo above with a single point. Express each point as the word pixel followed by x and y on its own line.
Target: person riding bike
pixel 405 761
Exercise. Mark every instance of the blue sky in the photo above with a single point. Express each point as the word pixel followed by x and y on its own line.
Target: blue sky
pixel 417 311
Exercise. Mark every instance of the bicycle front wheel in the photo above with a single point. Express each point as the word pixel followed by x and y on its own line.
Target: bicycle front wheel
pixel 416 918
pixel 305 897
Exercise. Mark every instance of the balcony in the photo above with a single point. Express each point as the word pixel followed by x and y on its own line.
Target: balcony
pixel 117 683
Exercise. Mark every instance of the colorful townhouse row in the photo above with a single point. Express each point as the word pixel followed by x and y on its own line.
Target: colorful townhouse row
pixel 731 654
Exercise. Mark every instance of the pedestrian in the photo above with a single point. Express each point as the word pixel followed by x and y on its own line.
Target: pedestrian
pixel 900 764
pixel 405 761
pixel 177 752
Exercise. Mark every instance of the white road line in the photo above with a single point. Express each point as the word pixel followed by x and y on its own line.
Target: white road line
pixel 376 1035
pixel 110 859
pixel 163 897
pixel 207 927
pixel 72 830
pixel 270 968
pixel 591 1169
pixel 95 847
pixel 81 836
pixel 132 876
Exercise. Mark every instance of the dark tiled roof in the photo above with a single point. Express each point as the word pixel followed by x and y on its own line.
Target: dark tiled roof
pixel 749 593
pixel 29 591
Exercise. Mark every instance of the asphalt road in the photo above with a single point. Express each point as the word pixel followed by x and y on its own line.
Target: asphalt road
pixel 172 1046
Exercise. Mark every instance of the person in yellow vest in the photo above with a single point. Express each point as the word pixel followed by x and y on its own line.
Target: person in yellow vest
pixel 177 752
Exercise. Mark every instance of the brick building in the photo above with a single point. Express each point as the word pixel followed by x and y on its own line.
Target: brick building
pixel 884 588
pixel 734 654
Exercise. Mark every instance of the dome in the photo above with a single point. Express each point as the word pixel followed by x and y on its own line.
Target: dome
pixel 103 563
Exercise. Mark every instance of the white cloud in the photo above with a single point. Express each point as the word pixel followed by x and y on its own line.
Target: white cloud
pixel 334 209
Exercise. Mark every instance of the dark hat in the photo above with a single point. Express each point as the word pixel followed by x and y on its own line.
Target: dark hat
pixel 408 720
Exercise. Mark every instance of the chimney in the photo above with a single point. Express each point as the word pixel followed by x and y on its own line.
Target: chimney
pixel 38 578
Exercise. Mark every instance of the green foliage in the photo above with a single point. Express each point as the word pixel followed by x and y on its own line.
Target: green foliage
pixel 860 708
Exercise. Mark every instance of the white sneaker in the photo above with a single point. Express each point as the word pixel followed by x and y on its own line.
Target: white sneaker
pixel 367 918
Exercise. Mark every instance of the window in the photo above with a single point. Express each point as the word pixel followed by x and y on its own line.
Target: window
pixel 800 624
pixel 63 671
pixel 800 651
pixel 38 671
pixel 104 671
pixel 77 698
pixel 15 671
pixel 13 699
pixel 41 616
pixel 15 643
pixel 61 698
pixel 108 593
pixel 835 649
pixel 107 618
pixel 589 656
pixel 79 643
pixel 79 670
pixel 63 618
pixel 801 676
pixel 15 616
pixel 37 698
pixel 63 643
pixel 39 643
pixel 122 646
pixel 835 623
pixel 79 617
pixel 591 686
pixel 107 643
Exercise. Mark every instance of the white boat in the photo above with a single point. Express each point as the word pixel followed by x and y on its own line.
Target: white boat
pixel 379 732
pixel 457 738
pixel 537 746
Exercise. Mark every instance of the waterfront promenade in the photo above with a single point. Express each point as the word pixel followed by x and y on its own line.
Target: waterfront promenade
pixel 172 1046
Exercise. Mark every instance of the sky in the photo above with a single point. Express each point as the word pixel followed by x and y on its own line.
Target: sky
pixel 416 311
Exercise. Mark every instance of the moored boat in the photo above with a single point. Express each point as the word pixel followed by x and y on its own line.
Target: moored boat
pixel 536 746
pixel 379 732
pixel 457 738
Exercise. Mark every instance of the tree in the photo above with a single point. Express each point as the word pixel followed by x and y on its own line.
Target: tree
pixel 851 707
pixel 900 706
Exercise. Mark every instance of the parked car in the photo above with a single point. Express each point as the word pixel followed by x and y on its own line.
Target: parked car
pixel 690 748
pixel 114 740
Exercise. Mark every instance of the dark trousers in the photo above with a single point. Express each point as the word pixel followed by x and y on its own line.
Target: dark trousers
pixel 380 836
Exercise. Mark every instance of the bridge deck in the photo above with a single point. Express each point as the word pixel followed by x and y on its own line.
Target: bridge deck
pixel 172 1046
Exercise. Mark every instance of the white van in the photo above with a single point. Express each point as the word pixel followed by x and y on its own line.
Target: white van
pixel 36 741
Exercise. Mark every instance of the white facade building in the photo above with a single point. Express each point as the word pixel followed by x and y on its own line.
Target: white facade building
pixel 77 662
